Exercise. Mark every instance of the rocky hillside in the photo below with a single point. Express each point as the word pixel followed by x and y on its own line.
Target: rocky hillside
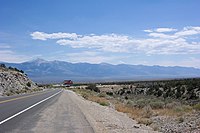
pixel 14 81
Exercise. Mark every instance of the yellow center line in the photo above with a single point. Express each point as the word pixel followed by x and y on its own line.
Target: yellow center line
pixel 9 100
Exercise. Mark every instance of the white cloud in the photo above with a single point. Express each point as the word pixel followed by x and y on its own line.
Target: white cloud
pixel 90 57
pixel 160 30
pixel 6 52
pixel 157 41
pixel 148 31
pixel 44 36
pixel 165 30
pixel 188 31
pixel 7 55
pixel 161 35
pixel 4 46
pixel 10 56
pixel 190 62
pixel 111 42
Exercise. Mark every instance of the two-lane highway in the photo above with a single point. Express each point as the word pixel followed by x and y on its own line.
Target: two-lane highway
pixel 13 110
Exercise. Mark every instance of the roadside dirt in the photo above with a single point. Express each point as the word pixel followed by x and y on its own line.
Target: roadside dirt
pixel 72 113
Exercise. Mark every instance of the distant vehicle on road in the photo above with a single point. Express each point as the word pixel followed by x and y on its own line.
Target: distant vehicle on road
pixel 67 83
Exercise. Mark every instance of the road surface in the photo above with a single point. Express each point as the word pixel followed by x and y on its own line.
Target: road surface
pixel 25 113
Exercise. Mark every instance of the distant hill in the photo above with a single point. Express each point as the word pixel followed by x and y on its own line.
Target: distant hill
pixel 43 71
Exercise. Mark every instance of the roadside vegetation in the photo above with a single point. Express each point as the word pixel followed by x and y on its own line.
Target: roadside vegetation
pixel 92 93
pixel 166 106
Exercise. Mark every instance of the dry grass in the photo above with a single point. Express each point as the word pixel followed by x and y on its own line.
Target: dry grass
pixel 145 121
pixel 138 114
pixel 197 107
pixel 165 112
pixel 93 96
pixel 101 100
pixel 176 111
pixel 147 111
pixel 134 113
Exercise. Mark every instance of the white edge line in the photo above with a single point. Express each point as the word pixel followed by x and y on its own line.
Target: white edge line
pixel 7 119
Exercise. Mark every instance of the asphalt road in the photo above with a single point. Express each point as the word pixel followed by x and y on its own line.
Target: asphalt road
pixel 15 111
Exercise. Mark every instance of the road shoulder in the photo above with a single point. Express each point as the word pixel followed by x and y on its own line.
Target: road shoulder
pixel 106 119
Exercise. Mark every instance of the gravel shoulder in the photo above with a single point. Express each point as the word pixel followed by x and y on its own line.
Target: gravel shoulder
pixel 72 113
pixel 106 119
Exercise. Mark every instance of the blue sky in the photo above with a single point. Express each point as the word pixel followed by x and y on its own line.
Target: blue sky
pixel 149 32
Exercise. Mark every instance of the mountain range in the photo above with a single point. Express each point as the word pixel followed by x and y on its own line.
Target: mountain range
pixel 44 71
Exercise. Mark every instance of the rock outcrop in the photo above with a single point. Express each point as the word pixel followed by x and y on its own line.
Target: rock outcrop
pixel 14 81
